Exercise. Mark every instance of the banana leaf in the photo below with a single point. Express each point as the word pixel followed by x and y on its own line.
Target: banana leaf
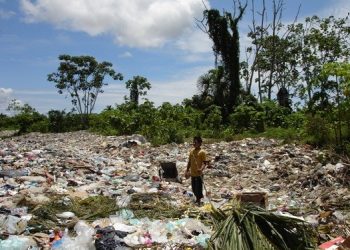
pixel 252 228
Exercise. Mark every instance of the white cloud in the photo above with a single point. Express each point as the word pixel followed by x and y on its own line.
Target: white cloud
pixel 195 41
pixel 5 96
pixel 4 14
pixel 126 54
pixel 196 45
pixel 174 91
pixel 338 8
pixel 41 100
pixel 183 85
pixel 135 23
pixel 5 92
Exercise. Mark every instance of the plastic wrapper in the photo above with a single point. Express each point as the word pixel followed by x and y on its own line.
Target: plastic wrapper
pixel 14 225
pixel 17 243
pixel 83 241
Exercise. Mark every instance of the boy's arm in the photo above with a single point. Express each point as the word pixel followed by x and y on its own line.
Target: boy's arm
pixel 205 162
pixel 188 165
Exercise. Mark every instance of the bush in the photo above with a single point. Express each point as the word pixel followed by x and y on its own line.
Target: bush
pixel 295 120
pixel 99 123
pixel 40 126
pixel 6 122
pixel 214 118
pixel 286 134
pixel 316 130
pixel 247 118
pixel 56 121
pixel 227 134
pixel 275 115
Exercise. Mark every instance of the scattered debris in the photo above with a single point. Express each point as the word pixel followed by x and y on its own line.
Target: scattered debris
pixel 50 182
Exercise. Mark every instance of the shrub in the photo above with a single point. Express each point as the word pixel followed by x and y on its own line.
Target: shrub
pixel 56 121
pixel 247 117
pixel 275 115
pixel 316 130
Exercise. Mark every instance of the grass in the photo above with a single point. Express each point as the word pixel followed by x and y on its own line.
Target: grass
pixel 87 209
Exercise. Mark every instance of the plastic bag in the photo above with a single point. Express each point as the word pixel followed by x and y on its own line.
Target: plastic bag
pixel 17 243
pixel 14 225
pixel 109 238
pixel 83 241
pixel 202 240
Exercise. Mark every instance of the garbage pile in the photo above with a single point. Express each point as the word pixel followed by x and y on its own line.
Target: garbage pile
pixel 92 191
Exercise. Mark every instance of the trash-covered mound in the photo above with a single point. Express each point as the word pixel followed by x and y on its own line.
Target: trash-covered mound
pixel 50 182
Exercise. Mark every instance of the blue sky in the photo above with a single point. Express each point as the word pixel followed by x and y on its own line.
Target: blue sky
pixel 157 39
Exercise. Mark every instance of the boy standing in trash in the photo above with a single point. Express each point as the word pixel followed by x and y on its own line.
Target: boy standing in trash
pixel 196 162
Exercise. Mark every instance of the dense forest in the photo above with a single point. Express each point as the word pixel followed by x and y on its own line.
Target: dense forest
pixel 292 82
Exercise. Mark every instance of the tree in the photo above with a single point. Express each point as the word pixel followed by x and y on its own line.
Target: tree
pixel 82 78
pixel 223 30
pixel 137 87
pixel 213 88
pixel 25 115
pixel 274 54
pixel 338 77
pixel 321 41
pixel 257 33
pixel 56 120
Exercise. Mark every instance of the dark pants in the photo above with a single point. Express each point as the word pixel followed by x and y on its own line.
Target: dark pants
pixel 197 187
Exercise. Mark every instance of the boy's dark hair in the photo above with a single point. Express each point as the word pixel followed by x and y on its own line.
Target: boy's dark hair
pixel 198 139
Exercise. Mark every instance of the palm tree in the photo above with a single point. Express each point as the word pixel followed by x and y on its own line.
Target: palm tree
pixel 137 87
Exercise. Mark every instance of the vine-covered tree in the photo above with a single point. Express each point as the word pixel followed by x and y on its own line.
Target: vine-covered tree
pixel 82 77
pixel 137 87
pixel 223 30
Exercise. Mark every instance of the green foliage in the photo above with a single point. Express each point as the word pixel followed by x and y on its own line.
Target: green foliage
pixel 254 228
pixel 100 123
pixel 82 77
pixel 223 30
pixel 321 41
pixel 73 122
pixel 295 120
pixel 6 122
pixel 228 134
pixel 247 117
pixel 41 126
pixel 60 121
pixel 164 132
pixel 275 115
pixel 88 209
pixel 334 103
pixel 137 88
pixel 56 121
pixel 213 118
pixel 287 135
pixel 26 117
pixel 316 130
pixel 165 124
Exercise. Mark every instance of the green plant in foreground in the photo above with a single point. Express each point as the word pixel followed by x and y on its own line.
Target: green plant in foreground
pixel 253 228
